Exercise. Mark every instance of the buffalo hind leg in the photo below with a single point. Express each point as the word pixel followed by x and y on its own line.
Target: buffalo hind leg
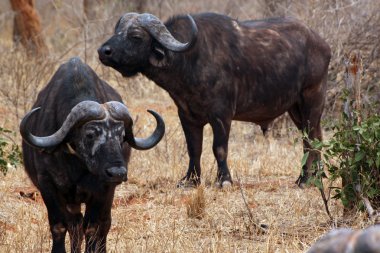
pixel 221 130
pixel 194 138
pixel 307 119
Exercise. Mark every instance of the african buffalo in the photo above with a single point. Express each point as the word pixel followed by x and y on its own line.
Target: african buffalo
pixel 218 69
pixel 349 241
pixel 82 154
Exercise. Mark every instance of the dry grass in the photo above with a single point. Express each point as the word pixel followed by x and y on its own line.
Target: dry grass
pixel 149 213
pixel 196 204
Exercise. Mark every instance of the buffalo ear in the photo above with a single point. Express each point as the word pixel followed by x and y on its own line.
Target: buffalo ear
pixel 158 57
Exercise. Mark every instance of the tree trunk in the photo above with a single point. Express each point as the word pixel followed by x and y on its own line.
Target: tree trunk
pixel 27 28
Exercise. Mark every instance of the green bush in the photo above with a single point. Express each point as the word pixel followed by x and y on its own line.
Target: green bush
pixel 9 151
pixel 353 154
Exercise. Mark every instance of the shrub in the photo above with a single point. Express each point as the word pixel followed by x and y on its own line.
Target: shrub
pixel 9 151
pixel 353 154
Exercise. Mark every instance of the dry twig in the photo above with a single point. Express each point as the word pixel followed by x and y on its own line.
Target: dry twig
pixel 374 215
pixel 260 228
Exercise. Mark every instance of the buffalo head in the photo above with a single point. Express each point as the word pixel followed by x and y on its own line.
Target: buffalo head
pixel 96 133
pixel 141 40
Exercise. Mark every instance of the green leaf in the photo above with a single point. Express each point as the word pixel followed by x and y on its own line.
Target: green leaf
pixel 372 192
pixel 318 183
pixel 359 156
pixel 378 160
pixel 9 153
pixel 304 159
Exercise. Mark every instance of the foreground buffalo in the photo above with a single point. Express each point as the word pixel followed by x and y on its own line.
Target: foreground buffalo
pixel 218 69
pixel 349 241
pixel 82 155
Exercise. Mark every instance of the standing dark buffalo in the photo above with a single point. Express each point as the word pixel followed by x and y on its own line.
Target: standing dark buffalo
pixel 82 155
pixel 228 70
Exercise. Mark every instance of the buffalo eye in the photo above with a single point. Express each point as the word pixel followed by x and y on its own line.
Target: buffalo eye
pixel 135 36
pixel 90 136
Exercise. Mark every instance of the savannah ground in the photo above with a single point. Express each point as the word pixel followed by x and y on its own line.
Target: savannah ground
pixel 149 213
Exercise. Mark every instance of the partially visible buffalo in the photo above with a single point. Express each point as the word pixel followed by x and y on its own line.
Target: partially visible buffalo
pixel 228 70
pixel 82 154
pixel 349 241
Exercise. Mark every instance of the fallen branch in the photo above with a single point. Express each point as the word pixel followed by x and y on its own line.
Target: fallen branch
pixel 323 195
pixel 325 202
pixel 260 228
pixel 372 213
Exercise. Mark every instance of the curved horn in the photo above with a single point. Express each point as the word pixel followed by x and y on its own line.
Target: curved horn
pixel 82 112
pixel 119 111
pixel 159 31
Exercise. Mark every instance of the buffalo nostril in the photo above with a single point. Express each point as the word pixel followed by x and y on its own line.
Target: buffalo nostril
pixel 117 173
pixel 107 50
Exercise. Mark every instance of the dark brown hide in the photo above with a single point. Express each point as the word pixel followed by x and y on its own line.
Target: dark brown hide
pixel 236 70
pixel 75 151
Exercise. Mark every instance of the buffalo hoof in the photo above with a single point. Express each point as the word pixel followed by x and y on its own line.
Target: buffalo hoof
pixel 225 184
pixel 303 181
pixel 223 180
pixel 188 183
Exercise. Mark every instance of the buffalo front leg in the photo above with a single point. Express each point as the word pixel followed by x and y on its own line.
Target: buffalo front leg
pixel 75 227
pixel 221 130
pixel 56 215
pixel 194 138
pixel 97 221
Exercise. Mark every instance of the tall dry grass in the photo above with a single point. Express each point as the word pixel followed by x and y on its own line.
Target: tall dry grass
pixel 149 213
